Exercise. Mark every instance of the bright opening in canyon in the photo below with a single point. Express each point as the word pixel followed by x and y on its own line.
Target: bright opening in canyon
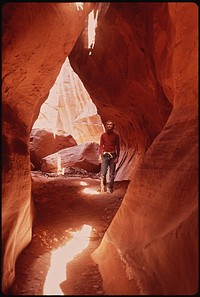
pixel 70 109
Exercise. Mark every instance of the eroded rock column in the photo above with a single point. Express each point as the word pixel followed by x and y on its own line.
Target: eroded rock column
pixel 37 38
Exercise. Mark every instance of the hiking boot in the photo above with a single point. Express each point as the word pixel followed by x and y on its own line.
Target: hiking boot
pixel 109 191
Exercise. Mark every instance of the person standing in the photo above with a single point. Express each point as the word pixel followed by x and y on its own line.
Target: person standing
pixel 109 150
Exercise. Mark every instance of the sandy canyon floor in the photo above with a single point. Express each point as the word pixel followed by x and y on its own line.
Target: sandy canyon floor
pixel 71 217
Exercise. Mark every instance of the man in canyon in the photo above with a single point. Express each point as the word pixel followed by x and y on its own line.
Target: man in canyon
pixel 109 150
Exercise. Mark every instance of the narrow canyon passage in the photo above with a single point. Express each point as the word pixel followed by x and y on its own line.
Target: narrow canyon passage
pixel 57 261
pixel 139 69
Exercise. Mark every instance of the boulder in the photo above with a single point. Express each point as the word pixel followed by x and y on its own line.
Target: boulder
pixel 84 156
pixel 44 143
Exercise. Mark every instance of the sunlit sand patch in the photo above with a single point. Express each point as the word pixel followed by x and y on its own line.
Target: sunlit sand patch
pixel 83 183
pixel 88 190
pixel 91 191
pixel 59 258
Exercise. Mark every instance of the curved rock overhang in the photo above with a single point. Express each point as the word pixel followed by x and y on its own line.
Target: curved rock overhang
pixel 141 73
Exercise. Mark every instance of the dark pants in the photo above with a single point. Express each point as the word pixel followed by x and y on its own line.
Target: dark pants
pixel 108 163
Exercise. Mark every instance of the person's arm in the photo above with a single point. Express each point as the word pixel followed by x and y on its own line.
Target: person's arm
pixel 101 148
pixel 117 149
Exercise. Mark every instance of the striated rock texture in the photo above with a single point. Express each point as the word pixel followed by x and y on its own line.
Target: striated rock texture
pixel 122 74
pixel 84 156
pixel 142 73
pixel 36 39
pixel 70 108
pixel 44 143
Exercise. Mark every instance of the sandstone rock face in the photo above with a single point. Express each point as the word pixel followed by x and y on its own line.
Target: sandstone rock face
pixel 84 156
pixel 145 58
pixel 30 64
pixel 32 167
pixel 44 143
pixel 70 108
pixel 141 73
pixel 120 73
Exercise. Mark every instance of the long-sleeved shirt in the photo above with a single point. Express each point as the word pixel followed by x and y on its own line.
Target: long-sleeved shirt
pixel 109 142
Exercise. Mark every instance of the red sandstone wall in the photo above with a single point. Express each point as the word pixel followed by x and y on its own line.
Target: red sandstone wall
pixel 159 253
pixel 36 39
pixel 142 73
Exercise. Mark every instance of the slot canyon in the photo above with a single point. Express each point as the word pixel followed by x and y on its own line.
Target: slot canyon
pixel 140 70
